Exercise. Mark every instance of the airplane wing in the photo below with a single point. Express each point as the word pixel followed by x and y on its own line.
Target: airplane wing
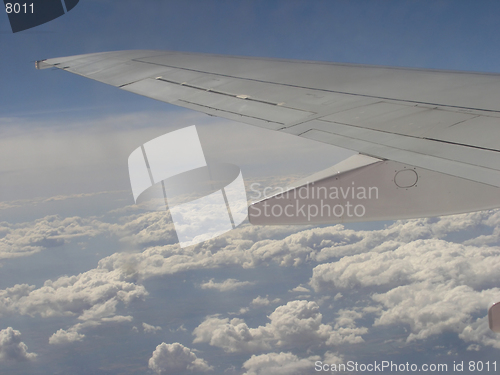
pixel 428 139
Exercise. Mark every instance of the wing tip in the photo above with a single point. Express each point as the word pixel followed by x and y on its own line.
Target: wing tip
pixel 41 64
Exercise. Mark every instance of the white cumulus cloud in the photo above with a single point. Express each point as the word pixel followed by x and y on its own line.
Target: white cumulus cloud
pixel 176 359
pixel 89 295
pixel 148 328
pixel 297 322
pixel 263 301
pixel 65 337
pixel 226 285
pixel 12 348
pixel 279 364
pixel 23 239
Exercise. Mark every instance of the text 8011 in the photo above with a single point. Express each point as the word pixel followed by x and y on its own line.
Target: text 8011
pixel 19 8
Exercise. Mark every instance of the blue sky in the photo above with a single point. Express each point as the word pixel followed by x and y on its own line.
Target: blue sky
pixel 87 279
pixel 457 35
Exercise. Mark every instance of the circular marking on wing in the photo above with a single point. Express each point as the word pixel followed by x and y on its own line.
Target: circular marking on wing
pixel 406 178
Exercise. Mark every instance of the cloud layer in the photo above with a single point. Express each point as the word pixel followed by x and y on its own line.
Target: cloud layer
pixel 422 274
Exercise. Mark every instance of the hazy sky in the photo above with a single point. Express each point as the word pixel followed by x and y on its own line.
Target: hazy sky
pixel 90 283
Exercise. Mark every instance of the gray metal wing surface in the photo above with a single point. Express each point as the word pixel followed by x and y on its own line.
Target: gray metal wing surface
pixel 440 121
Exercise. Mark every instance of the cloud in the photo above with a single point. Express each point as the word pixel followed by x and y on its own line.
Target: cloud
pixel 65 337
pixel 245 247
pixel 301 321
pixel 241 311
pixel 226 285
pixel 146 230
pixel 260 301
pixel 25 239
pixel 12 348
pixel 90 295
pixel 347 318
pixel 181 328
pixel 279 364
pixel 431 309
pixel 474 347
pixel 298 323
pixel 73 333
pixel 176 359
pixel 333 357
pixel 263 301
pixel 431 260
pixel 118 319
pixel 100 310
pixel 337 241
pixel 300 289
pixel 148 328
pixel 478 331
pixel 57 198
pixel 231 335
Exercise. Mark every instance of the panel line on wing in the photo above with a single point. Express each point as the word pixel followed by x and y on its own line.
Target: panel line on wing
pixel 461 144
pixel 474 156
pixel 319 89
pixel 234 113
pixel 242 97
pixel 432 162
